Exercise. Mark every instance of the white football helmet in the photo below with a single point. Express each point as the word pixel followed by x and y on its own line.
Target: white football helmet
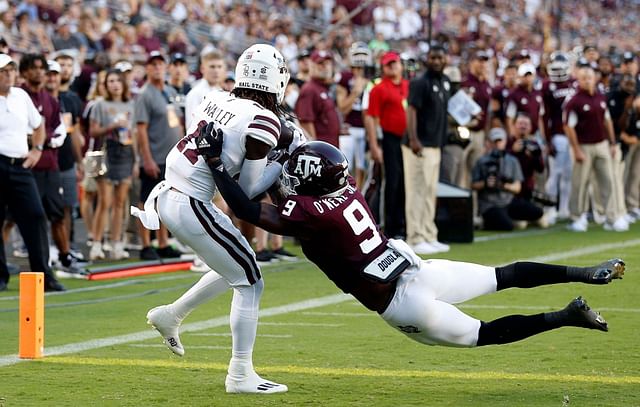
pixel 360 54
pixel 559 67
pixel 262 67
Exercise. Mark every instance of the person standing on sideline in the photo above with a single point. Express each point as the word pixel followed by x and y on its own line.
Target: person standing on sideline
pixel 588 126
pixel 179 79
pixel 427 129
pixel 349 93
pixel 478 88
pixel 18 190
pixel 555 91
pixel 525 98
pixel 70 153
pixel 315 108
pixel 158 130
pixel 249 117
pixel 213 70
pixel 111 122
pixel 33 68
pixel 386 107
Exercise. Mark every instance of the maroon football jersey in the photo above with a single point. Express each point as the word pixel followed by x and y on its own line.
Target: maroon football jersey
pixel 554 95
pixel 344 240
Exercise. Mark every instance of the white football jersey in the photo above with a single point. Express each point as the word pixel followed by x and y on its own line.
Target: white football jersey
pixel 238 118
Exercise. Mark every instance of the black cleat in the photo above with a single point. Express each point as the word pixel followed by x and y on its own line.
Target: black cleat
pixel 579 314
pixel 605 272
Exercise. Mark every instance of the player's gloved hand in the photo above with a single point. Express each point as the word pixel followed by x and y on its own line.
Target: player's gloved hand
pixel 286 135
pixel 280 156
pixel 209 141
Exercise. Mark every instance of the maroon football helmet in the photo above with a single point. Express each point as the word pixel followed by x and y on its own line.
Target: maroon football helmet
pixel 315 168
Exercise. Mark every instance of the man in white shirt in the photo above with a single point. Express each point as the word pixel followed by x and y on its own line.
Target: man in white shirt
pixel 214 70
pixel 18 118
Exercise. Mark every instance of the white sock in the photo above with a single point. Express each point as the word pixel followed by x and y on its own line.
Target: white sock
pixel 244 324
pixel 209 286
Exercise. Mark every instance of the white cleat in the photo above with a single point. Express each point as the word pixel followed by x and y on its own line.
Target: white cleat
pixel 253 384
pixel 165 322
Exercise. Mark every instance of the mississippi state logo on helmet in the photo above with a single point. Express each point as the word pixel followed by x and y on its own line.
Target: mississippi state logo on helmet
pixel 262 67
pixel 315 168
pixel 558 67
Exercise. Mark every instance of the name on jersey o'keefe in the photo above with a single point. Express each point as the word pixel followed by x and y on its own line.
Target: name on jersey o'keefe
pixel 218 114
pixel 253 85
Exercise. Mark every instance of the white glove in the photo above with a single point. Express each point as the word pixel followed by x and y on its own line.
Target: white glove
pixel 59 134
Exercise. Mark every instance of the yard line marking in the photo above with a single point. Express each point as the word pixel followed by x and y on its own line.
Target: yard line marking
pixel 584 250
pixel 510 235
pixel 142 345
pixel 229 334
pixel 8 360
pixel 301 324
pixel 341 314
pixel 359 372
pixel 542 308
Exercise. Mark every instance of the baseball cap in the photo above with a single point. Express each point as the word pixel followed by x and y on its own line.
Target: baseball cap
pixel 389 57
pixel 155 55
pixel 304 54
pixel 319 56
pixel 481 54
pixel 5 60
pixel 53 66
pixel 178 57
pixel 123 66
pixel 526 69
pixel 230 76
pixel 497 133
pixel 628 56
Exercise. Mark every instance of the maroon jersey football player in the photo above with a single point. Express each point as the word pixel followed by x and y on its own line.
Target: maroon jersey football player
pixel 331 219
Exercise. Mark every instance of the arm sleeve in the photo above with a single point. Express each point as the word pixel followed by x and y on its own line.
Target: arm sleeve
pixel 250 176
pixel 238 201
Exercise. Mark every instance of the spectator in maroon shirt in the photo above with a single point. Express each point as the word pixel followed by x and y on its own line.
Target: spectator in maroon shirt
pixel 46 172
pixel 315 109
pixel 588 126
pixel 501 93
pixel 147 39
pixel 524 98
pixel 477 86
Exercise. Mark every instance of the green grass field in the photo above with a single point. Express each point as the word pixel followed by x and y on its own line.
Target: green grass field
pixel 327 348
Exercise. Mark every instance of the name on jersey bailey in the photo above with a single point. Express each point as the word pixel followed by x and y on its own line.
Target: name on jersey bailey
pixel 218 114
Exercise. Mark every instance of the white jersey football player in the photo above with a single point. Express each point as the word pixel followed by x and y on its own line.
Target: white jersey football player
pixel 248 115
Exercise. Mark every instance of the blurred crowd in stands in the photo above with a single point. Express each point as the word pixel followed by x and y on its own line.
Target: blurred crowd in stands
pixel 521 61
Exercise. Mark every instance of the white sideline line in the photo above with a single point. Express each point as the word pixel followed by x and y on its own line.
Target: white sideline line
pixel 194 326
